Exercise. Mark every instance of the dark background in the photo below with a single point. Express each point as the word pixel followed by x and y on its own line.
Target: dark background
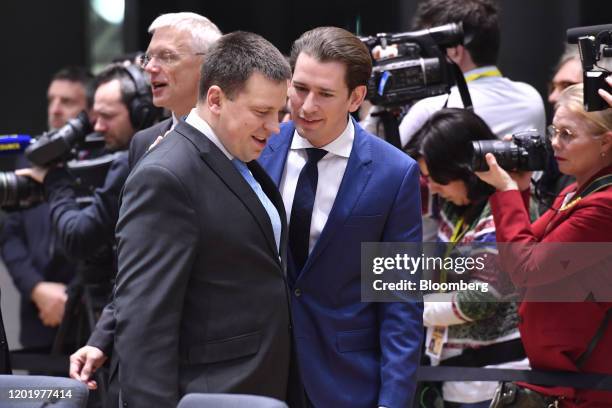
pixel 39 37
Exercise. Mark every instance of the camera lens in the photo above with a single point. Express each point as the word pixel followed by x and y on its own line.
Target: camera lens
pixel 506 154
pixel 18 192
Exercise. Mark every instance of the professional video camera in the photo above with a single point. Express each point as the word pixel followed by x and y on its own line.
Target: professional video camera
pixel 420 69
pixel 59 146
pixel 593 43
pixel 526 151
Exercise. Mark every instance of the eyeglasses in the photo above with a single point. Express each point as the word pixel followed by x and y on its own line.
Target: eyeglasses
pixel 565 135
pixel 165 58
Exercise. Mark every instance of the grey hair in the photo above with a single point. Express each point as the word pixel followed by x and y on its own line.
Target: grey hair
pixel 203 31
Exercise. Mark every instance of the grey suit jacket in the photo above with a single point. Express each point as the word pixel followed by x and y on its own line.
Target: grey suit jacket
pixel 201 301
pixel 142 140
pixel 103 335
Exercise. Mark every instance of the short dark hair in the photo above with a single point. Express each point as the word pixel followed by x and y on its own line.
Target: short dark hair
pixel 446 145
pixel 336 44
pixel 480 24
pixel 126 83
pixel 233 58
pixel 80 75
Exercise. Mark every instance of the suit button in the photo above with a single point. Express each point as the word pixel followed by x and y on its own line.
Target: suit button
pixel 297 292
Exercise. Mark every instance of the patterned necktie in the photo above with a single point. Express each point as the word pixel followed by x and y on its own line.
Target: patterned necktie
pixel 301 210
pixel 263 198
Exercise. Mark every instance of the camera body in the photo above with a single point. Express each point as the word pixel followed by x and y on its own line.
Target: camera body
pixel 527 151
pixel 59 146
pixel 421 68
pixel 594 42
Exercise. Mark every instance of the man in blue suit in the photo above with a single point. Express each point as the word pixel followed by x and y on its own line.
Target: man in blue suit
pixel 342 186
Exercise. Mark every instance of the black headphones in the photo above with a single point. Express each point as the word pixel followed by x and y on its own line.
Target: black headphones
pixel 143 113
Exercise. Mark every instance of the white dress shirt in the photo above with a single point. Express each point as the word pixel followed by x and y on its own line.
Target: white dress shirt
pixel 197 122
pixel 331 169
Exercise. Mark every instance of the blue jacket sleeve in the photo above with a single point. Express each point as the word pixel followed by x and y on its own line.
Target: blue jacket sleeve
pixel 82 231
pixel 401 323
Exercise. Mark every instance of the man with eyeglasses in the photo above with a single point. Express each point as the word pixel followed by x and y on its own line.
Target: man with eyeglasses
pixel 172 61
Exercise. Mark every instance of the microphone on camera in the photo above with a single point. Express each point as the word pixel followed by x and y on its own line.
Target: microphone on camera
pixel 11 144
pixel 573 34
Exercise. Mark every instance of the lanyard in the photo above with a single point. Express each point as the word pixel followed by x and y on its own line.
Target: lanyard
pixel 458 233
pixel 488 73
pixel 596 185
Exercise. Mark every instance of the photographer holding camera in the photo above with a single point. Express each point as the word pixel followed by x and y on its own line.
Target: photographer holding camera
pixel 562 335
pixel 122 105
pixel 34 259
pixel 480 328
pixel 506 106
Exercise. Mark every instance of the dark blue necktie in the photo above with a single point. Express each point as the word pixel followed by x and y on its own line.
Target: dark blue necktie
pixel 301 210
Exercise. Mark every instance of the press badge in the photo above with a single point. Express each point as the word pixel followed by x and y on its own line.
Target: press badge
pixel 435 339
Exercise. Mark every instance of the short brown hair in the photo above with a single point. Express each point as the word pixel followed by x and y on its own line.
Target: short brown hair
pixel 232 59
pixel 336 44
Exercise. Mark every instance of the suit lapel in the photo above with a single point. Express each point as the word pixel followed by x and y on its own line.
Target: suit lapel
pixel 271 191
pixel 356 177
pixel 226 171
pixel 274 157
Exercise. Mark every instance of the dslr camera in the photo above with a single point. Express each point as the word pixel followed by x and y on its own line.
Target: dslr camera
pixel 420 69
pixel 58 146
pixel 593 43
pixel 527 151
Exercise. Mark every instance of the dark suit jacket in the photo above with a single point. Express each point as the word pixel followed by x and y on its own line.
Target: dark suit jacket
pixel 201 303
pixel 103 335
pixel 84 231
pixel 143 139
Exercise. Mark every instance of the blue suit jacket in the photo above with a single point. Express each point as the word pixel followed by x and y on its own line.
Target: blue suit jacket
pixel 355 354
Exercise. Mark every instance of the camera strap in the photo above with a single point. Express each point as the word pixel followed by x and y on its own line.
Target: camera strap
pixel 466 99
pixel 601 330
pixel 596 185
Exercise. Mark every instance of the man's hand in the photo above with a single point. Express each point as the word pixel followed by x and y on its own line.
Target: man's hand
pixel 50 299
pixel 37 174
pixel 84 362
pixel 389 51
pixel 606 95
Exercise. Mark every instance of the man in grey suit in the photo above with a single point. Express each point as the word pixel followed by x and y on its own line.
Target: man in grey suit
pixel 172 62
pixel 201 303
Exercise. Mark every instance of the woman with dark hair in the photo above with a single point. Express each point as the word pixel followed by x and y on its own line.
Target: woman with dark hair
pixel 567 334
pixel 466 328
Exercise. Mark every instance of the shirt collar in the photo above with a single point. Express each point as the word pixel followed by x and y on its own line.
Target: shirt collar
pixel 197 122
pixel 480 70
pixel 340 146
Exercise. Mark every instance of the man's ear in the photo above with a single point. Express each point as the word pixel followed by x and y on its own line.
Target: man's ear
pixel 606 143
pixel 214 99
pixel 356 97
pixel 456 53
